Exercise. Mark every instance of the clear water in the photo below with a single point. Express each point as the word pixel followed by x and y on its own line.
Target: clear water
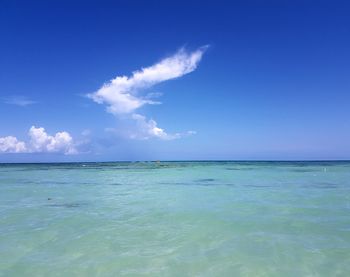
pixel 175 219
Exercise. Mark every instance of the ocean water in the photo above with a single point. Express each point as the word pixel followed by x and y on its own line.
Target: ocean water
pixel 175 219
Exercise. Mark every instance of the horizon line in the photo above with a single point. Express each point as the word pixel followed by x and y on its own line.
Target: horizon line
pixel 169 161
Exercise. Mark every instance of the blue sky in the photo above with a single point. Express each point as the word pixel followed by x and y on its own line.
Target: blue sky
pixel 215 80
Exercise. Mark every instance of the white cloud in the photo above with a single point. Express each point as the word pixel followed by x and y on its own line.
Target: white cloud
pixel 122 94
pixel 148 129
pixel 19 101
pixel 11 144
pixel 141 128
pixel 40 142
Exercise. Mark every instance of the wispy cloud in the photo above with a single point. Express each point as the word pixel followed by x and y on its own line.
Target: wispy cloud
pixel 18 101
pixel 140 128
pixel 123 95
pixel 40 142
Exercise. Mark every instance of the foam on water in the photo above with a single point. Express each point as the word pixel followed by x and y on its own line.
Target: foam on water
pixel 175 219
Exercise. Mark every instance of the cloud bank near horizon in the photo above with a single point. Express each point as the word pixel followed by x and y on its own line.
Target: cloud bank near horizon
pixel 123 95
pixel 40 142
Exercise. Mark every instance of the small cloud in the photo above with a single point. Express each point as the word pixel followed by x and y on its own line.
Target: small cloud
pixel 141 128
pixel 61 142
pixel 11 144
pixel 40 142
pixel 21 101
pixel 149 129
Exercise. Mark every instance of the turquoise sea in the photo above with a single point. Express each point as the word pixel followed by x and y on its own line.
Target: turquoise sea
pixel 175 219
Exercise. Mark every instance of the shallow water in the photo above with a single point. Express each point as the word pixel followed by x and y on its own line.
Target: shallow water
pixel 175 219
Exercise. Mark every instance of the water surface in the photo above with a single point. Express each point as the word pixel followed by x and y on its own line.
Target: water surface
pixel 175 219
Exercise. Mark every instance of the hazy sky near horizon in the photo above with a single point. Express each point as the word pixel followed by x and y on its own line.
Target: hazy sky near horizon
pixel 170 80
